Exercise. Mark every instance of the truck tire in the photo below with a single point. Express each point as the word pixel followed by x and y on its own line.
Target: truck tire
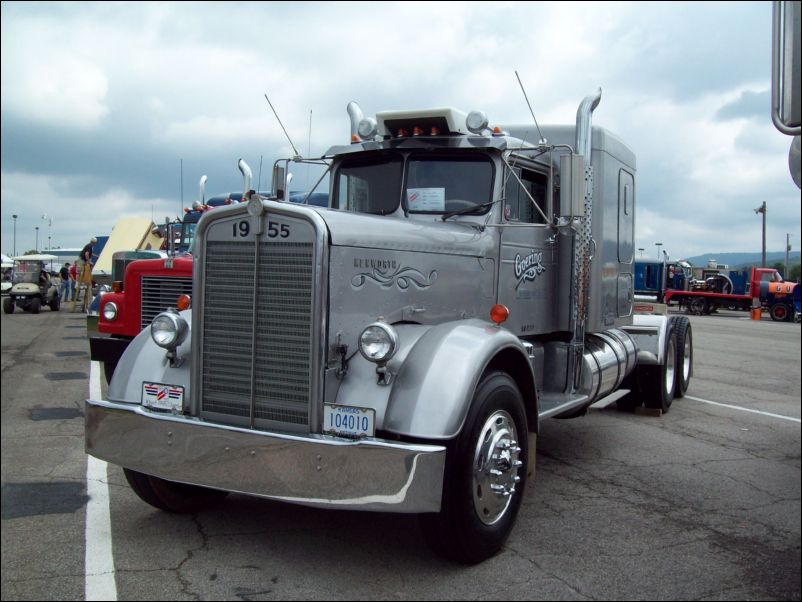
pixel 780 312
pixel 684 363
pixel 8 305
pixel 698 306
pixel 659 382
pixel 36 305
pixel 172 497
pixel 479 507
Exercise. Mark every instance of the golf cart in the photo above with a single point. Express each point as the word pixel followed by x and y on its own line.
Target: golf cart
pixel 32 285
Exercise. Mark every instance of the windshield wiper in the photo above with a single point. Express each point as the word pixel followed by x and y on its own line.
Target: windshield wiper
pixel 465 210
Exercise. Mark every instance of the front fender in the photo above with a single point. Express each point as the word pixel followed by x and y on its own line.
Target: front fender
pixel 144 360
pixel 434 387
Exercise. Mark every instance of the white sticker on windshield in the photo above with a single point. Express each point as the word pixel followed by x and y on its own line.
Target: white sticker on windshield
pixel 426 199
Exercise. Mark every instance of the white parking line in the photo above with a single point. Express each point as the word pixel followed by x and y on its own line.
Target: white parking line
pixel 726 405
pixel 99 561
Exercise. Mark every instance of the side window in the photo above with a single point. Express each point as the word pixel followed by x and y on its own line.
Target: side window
pixel 518 206
pixel 369 186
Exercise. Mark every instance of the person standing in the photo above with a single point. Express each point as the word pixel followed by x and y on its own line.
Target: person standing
pixel 64 288
pixel 73 279
pixel 85 260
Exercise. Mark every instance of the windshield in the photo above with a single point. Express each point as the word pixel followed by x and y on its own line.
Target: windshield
pixel 442 185
pixel 187 237
pixel 27 271
pixel 435 184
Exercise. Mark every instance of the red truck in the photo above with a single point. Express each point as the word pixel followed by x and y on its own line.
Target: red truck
pixel 765 284
pixel 148 287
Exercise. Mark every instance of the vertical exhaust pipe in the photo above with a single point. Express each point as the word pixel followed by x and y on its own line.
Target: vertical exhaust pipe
pixel 583 238
pixel 202 192
pixel 356 115
pixel 247 176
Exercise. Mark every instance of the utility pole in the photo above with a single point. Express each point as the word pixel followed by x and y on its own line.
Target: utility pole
pixel 786 276
pixel 15 216
pixel 762 209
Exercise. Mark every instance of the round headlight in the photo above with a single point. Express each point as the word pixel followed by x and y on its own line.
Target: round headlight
pixel 169 329
pixel 110 311
pixel 378 342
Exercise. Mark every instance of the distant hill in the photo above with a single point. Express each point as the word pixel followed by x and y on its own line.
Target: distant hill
pixel 735 260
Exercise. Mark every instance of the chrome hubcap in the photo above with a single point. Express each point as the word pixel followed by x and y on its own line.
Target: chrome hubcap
pixel 495 467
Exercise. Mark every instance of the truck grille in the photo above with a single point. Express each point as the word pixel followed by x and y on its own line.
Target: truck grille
pixel 269 343
pixel 161 292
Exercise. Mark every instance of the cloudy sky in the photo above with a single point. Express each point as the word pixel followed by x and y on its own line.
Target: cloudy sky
pixel 102 102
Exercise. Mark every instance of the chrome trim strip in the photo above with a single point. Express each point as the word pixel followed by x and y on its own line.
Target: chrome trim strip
pixel 311 470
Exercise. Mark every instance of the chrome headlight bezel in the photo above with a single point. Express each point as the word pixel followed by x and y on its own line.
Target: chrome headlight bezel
pixel 378 342
pixel 110 311
pixel 168 329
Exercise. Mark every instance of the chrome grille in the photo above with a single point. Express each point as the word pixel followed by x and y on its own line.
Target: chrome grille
pixel 270 342
pixel 161 292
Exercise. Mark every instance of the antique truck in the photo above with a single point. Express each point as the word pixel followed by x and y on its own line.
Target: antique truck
pixel 398 350
pixel 143 288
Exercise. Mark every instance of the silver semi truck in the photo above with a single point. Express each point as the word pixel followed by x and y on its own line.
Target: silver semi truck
pixel 397 350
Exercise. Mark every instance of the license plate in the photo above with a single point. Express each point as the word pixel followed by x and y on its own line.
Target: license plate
pixel 349 421
pixel 163 397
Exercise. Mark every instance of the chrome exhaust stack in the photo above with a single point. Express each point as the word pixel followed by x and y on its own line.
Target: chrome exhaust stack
pixel 247 176
pixel 583 239
pixel 356 115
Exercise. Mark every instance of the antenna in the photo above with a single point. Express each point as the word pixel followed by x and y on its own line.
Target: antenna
pixel 542 139
pixel 297 154
pixel 309 148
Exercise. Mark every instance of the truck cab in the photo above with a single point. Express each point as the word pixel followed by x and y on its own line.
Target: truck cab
pixel 397 349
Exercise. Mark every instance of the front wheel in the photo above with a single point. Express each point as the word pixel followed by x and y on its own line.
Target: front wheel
pixel 8 305
pixel 486 467
pixel 779 312
pixel 36 305
pixel 170 496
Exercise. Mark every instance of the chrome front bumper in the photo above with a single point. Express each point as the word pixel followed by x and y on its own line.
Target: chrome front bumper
pixel 312 470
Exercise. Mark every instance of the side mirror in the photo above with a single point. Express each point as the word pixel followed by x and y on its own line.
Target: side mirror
pixel 279 184
pixel 572 186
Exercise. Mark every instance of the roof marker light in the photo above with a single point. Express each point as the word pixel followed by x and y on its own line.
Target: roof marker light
pixel 417 131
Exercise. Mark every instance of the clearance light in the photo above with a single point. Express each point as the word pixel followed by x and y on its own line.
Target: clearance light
pixel 355 138
pixel 184 302
pixel 417 131
pixel 497 131
pixel 435 131
pixel 402 133
pixel 499 314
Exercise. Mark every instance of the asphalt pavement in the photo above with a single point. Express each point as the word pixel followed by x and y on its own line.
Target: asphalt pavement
pixel 702 503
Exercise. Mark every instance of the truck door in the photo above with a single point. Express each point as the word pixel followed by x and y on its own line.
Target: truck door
pixel 529 252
